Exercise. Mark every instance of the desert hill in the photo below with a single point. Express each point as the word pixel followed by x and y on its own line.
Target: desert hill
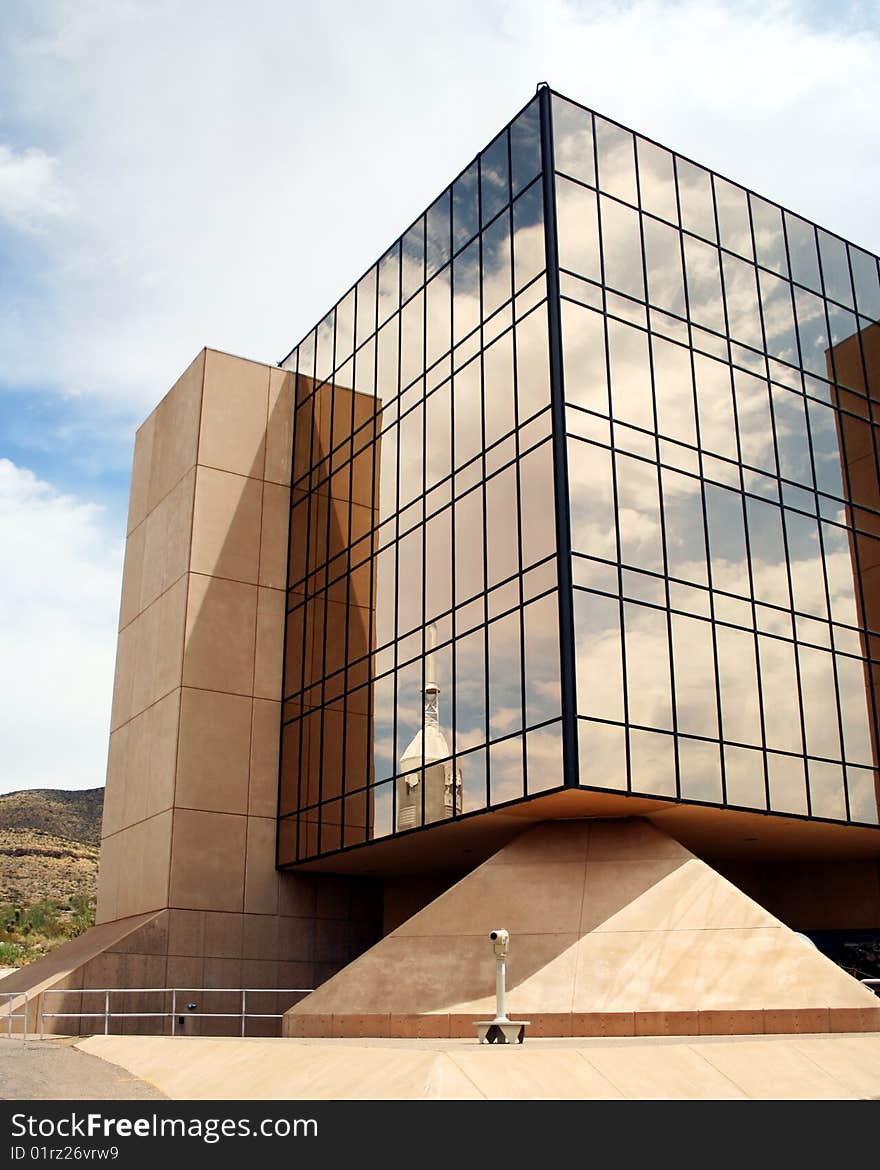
pixel 72 815
pixel 49 846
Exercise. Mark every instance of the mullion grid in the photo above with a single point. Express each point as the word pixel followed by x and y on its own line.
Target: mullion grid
pixel 547 724
pixel 853 542
pixel 508 211
pixel 284 638
pixel 326 598
pixel 308 604
pixel 723 340
pixel 446 272
pixel 748 538
pixel 784 211
pixel 827 591
pixel 810 489
pixel 453 249
pixel 516 479
pixel 422 526
pixel 743 493
pixel 301 484
pixel 784 527
pixel 395 521
pixel 510 465
pixel 370 562
pixel 344 681
pixel 561 481
pixel 862 603
pixel 716 658
pixel 487 754
pixel 510 305
pixel 660 494
pixel 614 493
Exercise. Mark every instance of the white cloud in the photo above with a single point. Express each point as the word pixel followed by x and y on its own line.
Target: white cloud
pixel 30 190
pixel 59 597
pixel 234 169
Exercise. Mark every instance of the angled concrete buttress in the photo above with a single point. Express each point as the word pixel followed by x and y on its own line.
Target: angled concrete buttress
pixel 616 929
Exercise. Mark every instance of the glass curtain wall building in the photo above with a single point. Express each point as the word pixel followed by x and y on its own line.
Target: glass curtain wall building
pixel 585 496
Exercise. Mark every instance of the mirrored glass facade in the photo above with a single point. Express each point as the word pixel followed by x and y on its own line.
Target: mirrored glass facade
pixel 422 677
pixel 585 494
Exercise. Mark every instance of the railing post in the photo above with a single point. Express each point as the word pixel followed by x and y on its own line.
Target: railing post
pixel 8 1015
pixel 107 1012
pixel 243 1010
pixel 42 1009
pixel 173 1011
pixel 24 1021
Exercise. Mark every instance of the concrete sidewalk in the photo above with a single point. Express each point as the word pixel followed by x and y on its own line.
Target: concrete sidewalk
pixel 790 1067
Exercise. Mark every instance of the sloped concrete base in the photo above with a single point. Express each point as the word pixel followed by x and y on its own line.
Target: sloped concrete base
pixel 616 929
pixel 70 967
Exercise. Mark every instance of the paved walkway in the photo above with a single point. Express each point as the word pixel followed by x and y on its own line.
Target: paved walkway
pixel 54 1070
pixel 803 1067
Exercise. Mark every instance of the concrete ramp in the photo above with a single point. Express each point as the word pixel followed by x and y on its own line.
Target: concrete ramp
pixel 65 968
pixel 616 929
pixel 767 1068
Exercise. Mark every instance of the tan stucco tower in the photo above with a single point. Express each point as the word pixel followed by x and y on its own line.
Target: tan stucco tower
pixel 189 895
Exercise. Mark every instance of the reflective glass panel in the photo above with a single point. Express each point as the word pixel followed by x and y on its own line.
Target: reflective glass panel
pixel 741 294
pixel 802 251
pixel 738 676
pixel 525 148
pixel 652 763
pixel 663 262
pixel 657 180
pixel 703 272
pixel 744 777
pixel 835 269
pixel 465 211
pixel 648 686
pixel 769 235
pixel 733 217
pixel 573 141
pixel 638 514
pixel 867 283
pixel 591 486
pixel 541 630
pixel 599 656
pixel 622 248
pixel 696 702
pixel 578 228
pixel 494 178
pixel 437 247
pixel 505 678
pixel 700 770
pixel 695 198
pixel 674 391
pixel 602 754
pixel 617 171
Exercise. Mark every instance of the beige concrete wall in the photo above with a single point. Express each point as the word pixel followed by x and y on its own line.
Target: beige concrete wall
pixel 196 707
pixel 192 780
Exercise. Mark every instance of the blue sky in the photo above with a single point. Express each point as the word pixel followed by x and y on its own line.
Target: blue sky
pixel 177 175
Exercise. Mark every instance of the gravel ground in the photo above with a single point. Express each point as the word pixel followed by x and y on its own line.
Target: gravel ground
pixel 53 1070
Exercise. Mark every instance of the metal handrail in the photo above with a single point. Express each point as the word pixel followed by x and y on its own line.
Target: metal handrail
pixel 106 1014
pixel 10 996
